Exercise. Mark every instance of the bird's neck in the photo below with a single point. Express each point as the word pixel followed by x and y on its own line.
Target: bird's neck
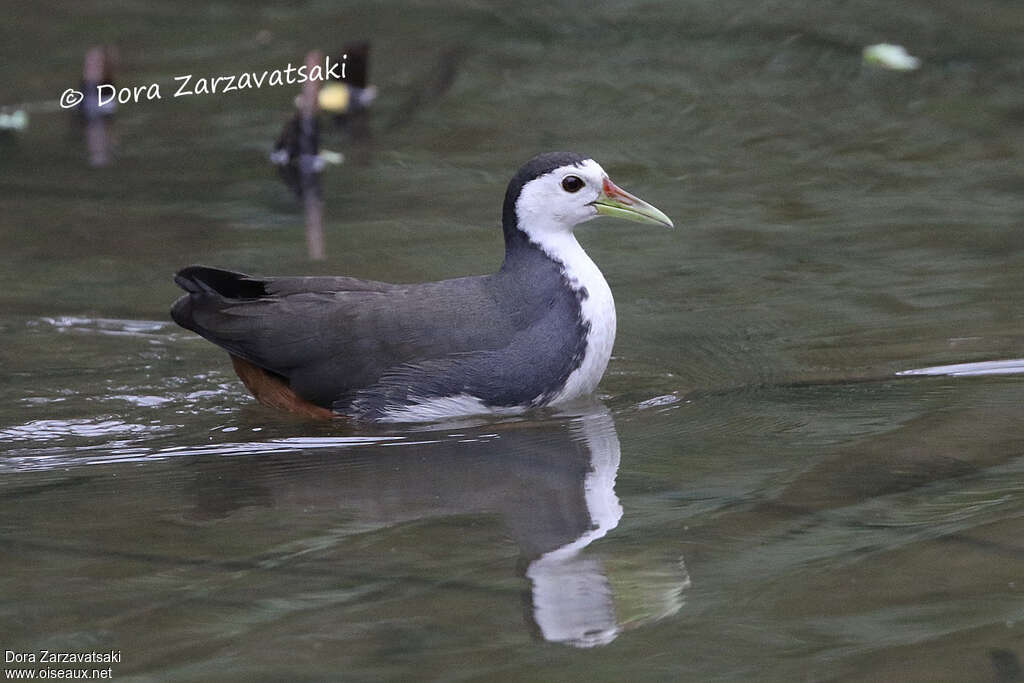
pixel 596 304
pixel 578 269
pixel 597 311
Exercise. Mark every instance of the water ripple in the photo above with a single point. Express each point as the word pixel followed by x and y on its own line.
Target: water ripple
pixel 992 367
pixel 108 326
pixel 48 430
pixel 49 458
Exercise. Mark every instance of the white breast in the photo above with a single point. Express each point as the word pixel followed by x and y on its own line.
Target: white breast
pixel 597 309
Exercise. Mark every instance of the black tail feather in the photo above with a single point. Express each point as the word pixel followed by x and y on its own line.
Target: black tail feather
pixel 224 283
pixel 208 288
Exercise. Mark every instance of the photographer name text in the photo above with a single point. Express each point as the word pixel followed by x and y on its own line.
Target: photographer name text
pixel 51 657
pixel 188 85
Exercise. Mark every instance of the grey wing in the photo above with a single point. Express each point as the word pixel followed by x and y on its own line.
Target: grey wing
pixel 332 337
pixel 372 334
pixel 528 367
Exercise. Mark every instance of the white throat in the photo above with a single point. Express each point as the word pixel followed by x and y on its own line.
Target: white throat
pixel 597 309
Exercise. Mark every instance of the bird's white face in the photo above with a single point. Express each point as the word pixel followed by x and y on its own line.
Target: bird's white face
pixel 558 201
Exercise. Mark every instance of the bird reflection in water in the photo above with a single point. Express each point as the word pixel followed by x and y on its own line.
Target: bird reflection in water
pixel 551 483
pixel 572 599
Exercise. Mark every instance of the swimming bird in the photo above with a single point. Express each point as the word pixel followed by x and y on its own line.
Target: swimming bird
pixel 537 332
pixel 351 95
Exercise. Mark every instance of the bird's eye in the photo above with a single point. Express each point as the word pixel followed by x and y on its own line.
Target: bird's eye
pixel 571 183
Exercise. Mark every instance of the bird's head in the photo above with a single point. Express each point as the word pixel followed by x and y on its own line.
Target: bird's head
pixel 557 191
